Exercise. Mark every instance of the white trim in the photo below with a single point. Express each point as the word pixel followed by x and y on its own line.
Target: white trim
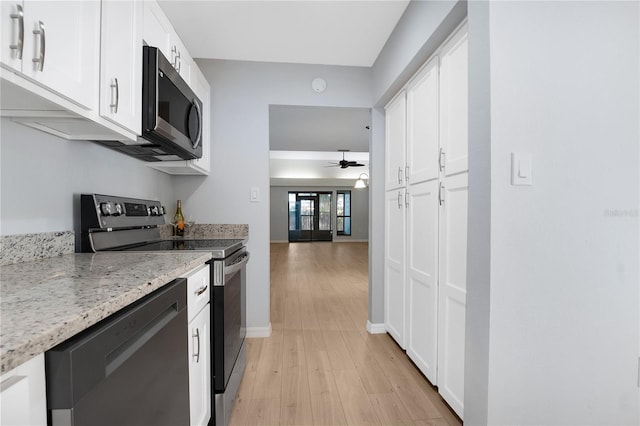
pixel 279 241
pixel 349 241
pixel 375 328
pixel 259 331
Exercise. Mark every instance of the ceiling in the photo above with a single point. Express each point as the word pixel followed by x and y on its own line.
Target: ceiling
pixel 328 32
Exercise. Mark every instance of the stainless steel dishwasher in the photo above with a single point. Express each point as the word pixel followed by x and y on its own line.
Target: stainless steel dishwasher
pixel 129 369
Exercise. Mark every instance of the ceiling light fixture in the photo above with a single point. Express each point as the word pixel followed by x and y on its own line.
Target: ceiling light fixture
pixel 362 183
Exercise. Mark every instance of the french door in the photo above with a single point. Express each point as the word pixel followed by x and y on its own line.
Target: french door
pixel 310 216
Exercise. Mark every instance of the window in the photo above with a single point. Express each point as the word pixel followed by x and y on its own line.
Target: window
pixel 343 213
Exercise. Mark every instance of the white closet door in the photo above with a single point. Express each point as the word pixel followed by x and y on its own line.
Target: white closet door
pixel 422 270
pixel 422 124
pixel 452 290
pixel 454 103
pixel 395 142
pixel 394 268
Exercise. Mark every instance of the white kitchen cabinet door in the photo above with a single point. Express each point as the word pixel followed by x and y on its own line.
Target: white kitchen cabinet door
pixel 121 64
pixel 394 268
pixel 156 28
pixel 65 38
pixel 422 124
pixel 395 142
pixel 23 394
pixel 200 368
pixel 452 290
pixel 180 57
pixel 422 277
pixel 454 103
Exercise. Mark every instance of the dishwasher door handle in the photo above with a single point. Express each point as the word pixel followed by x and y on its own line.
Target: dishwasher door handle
pixel 116 358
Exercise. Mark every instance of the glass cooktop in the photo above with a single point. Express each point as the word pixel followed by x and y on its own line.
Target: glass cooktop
pixel 219 249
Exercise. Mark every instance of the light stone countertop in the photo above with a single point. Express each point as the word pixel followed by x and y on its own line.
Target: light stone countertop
pixel 45 302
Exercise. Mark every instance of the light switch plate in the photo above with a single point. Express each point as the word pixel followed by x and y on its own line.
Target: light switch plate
pixel 255 194
pixel 521 169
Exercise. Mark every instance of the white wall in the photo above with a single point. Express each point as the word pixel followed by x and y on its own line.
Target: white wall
pixel 241 93
pixel 42 176
pixel 564 321
pixel 359 211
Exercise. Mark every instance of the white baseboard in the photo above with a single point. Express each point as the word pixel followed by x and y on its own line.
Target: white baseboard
pixel 375 328
pixel 350 241
pixel 259 331
pixel 279 241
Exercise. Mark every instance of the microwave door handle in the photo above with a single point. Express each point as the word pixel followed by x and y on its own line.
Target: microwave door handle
pixel 228 270
pixel 199 112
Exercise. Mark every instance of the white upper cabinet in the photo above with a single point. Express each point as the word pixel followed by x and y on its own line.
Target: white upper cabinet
pixel 156 29
pixel 54 44
pixel 454 103
pixel 396 142
pixel 158 32
pixel 121 64
pixel 422 124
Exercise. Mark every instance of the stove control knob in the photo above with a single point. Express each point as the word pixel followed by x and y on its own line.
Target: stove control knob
pixel 155 211
pixel 118 209
pixel 162 210
pixel 106 209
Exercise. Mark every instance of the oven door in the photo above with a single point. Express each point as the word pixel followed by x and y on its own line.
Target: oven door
pixel 228 316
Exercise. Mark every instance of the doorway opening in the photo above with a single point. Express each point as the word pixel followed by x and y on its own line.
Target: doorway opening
pixel 310 216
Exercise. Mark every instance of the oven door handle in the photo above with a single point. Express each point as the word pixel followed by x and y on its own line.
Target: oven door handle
pixel 232 269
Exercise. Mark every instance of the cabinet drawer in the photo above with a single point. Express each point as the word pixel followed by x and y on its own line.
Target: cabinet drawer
pixel 197 290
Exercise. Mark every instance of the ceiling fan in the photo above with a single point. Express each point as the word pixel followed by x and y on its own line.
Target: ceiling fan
pixel 343 164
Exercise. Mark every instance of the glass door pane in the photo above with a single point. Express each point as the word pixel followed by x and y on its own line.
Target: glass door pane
pixel 310 216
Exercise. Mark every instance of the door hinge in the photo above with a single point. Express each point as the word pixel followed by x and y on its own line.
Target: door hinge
pixel 441 159
pixel 441 194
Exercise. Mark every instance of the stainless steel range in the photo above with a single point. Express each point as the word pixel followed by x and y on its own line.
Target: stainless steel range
pixel 112 223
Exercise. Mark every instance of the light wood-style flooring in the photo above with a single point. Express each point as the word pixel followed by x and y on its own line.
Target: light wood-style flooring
pixel 320 366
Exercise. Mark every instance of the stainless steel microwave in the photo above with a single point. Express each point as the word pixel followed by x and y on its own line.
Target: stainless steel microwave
pixel 171 115
pixel 171 112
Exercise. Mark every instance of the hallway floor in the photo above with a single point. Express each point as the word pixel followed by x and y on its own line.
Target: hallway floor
pixel 320 366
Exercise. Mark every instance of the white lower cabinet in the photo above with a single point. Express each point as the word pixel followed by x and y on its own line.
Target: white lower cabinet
pixel 394 268
pixel 453 289
pixel 199 313
pixel 426 218
pixel 23 394
pixel 422 277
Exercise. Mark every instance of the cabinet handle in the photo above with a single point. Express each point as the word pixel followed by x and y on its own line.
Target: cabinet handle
pixel 114 105
pixel 8 383
pixel 399 199
pixel 406 198
pixel 40 59
pixel 441 159
pixel 178 62
pixel 19 15
pixel 196 355
pixel 201 290
pixel 399 174
pixel 441 194
pixel 406 173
